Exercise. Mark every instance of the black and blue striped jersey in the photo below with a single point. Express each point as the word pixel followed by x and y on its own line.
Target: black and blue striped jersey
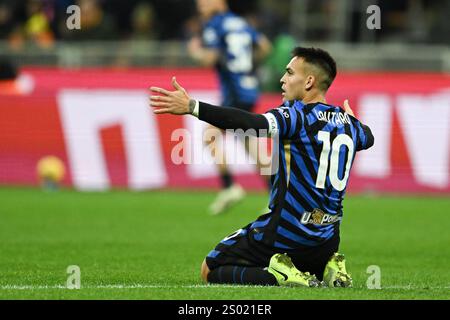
pixel 317 146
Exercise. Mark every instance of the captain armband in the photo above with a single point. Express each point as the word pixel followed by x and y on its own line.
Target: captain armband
pixel 273 125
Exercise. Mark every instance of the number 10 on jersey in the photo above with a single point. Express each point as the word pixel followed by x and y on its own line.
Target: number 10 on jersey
pixel 333 161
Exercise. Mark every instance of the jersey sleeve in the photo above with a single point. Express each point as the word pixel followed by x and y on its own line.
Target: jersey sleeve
pixel 365 137
pixel 284 121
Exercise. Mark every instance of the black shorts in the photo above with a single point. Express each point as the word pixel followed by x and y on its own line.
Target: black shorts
pixel 241 249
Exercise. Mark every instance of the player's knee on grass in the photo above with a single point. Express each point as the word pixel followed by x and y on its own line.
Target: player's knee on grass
pixel 204 271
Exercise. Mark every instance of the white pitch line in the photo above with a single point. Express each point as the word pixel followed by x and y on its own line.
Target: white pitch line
pixel 112 286
pixel 149 286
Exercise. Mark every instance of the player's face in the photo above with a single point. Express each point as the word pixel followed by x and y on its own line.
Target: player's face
pixel 294 80
pixel 207 8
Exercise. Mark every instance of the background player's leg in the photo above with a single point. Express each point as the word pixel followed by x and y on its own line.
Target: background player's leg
pixel 257 149
pixel 262 161
pixel 217 148
pixel 231 192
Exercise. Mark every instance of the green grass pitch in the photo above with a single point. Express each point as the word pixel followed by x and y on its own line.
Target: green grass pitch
pixel 149 245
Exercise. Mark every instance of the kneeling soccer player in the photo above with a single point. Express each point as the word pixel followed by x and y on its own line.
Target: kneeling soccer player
pixel 296 243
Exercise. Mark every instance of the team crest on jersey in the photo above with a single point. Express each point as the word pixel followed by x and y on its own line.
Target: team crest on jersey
pixel 317 216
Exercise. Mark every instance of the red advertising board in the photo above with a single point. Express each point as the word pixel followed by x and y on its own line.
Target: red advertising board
pixel 99 123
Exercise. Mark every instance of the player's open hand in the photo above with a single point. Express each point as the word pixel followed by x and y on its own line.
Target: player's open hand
pixel 174 102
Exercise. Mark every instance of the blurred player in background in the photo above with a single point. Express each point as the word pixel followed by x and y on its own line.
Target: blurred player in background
pixel 231 46
pixel 12 82
pixel 8 77
pixel 297 242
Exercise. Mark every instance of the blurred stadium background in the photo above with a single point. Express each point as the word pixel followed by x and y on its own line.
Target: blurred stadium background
pixel 81 96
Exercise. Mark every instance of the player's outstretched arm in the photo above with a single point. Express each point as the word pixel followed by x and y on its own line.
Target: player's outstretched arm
pixel 204 56
pixel 179 102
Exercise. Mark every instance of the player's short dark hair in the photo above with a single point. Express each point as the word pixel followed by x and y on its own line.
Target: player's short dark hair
pixel 321 59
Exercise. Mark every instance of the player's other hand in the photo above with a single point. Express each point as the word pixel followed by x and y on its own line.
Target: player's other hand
pixel 194 46
pixel 347 108
pixel 174 102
